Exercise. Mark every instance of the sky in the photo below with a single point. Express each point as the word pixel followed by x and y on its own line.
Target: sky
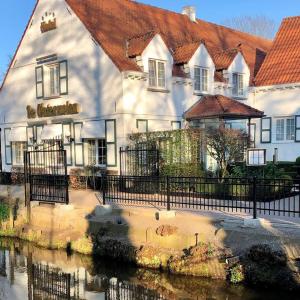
pixel 14 15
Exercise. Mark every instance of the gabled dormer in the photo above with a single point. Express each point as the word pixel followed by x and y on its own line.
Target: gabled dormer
pixel 197 63
pixel 233 71
pixel 152 55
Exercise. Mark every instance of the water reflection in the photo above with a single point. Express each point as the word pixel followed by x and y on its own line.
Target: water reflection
pixel 27 272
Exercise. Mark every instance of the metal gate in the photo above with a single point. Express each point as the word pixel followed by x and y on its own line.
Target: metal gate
pixel 46 175
pixel 139 161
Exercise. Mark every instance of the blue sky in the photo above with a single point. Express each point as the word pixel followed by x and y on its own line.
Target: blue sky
pixel 14 15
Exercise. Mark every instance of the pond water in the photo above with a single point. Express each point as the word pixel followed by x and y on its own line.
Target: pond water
pixel 28 272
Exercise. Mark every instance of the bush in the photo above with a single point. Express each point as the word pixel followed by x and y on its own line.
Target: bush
pixel 183 170
pixel 4 212
pixel 17 175
pixel 77 179
pixel 237 274
pixel 298 161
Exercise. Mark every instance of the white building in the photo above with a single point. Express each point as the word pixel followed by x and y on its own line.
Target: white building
pixel 91 72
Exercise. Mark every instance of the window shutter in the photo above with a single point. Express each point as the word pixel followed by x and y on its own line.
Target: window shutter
pixel 8 147
pixel 111 142
pixel 266 130
pixel 78 145
pixel 39 79
pixel 297 129
pixel 63 77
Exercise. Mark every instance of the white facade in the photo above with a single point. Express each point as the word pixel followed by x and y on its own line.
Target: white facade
pixel 111 104
pixel 280 103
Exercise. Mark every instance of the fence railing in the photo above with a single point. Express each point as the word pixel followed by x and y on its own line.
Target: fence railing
pixel 247 195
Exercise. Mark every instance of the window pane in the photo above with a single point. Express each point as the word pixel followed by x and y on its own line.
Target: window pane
pixel 234 84
pixel 204 80
pixel 280 130
pixel 290 129
pixel 63 86
pixel 142 125
pixel 39 74
pixel 102 152
pixel 197 79
pixel 266 124
pixel 92 152
pixel 265 137
pixel 18 150
pixel 63 69
pixel 161 75
pixel 152 73
pixel 241 84
pixel 39 90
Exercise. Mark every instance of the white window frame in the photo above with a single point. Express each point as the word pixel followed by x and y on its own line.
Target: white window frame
pixel 155 80
pixel 52 80
pixel 99 160
pixel 282 135
pixel 18 149
pixel 238 88
pixel 200 85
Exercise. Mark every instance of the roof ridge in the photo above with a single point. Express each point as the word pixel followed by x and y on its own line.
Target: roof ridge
pixel 198 19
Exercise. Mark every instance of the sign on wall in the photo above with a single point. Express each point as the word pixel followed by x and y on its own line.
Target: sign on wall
pixel 43 111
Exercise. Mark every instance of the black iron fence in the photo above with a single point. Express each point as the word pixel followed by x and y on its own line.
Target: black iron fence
pixel 46 175
pixel 246 195
pixel 119 290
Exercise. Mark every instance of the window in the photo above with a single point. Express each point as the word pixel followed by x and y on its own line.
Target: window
pixel 201 79
pixel 285 129
pixel 97 152
pixel 18 152
pixel 51 80
pixel 238 84
pixel 157 74
pixel 280 130
pixel 266 124
pixel 176 125
pixel 142 125
pixel 53 73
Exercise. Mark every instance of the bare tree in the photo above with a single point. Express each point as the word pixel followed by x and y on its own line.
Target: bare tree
pixel 225 146
pixel 259 25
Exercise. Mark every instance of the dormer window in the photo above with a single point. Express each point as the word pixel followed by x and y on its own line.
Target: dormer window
pixel 51 80
pixel 238 84
pixel 201 79
pixel 157 74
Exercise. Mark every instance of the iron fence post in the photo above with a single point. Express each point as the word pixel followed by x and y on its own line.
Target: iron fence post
pixel 168 194
pixel 254 186
pixel 104 179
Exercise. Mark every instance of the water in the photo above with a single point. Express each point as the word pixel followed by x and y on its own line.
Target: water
pixel 27 272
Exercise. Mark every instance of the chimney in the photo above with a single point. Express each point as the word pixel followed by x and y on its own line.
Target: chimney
pixel 190 11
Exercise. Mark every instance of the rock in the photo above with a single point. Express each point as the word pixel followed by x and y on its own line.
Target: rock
pixel 153 257
pixel 198 261
pixel 268 268
pixel 166 230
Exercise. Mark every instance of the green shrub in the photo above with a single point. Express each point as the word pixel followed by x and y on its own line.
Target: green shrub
pixel 182 170
pixel 4 212
pixel 298 161
pixel 237 274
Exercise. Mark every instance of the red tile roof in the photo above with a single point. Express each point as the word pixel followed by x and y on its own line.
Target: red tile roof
pixel 281 65
pixel 223 59
pixel 220 106
pixel 114 23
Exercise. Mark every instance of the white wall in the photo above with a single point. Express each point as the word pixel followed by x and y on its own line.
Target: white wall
pixel 239 65
pixel 277 101
pixel 91 74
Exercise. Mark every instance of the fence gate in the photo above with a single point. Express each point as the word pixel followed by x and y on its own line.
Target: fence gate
pixel 139 161
pixel 46 175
